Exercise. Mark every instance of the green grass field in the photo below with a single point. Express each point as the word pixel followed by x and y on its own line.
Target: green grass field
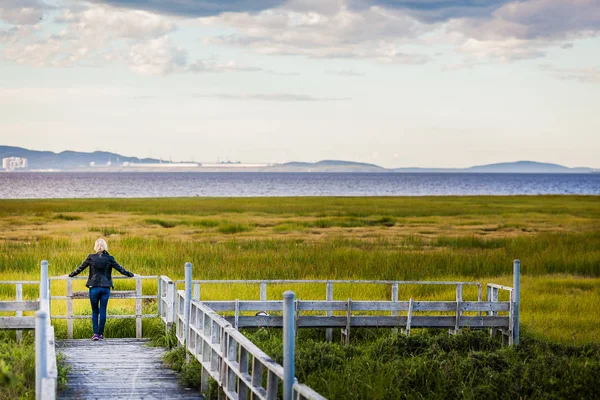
pixel 557 239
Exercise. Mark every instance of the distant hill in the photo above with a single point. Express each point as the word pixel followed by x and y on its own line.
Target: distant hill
pixel 518 167
pixel 74 160
pixel 526 167
pixel 68 159
pixel 328 166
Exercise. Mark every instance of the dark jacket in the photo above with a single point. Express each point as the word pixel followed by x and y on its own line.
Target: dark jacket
pixel 101 266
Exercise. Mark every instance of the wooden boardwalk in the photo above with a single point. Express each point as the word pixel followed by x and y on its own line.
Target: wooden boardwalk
pixel 119 369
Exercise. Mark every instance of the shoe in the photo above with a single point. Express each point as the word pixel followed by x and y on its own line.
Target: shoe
pixel 101 337
pixel 96 337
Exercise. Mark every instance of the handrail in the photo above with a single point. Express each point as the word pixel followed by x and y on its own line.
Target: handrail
pixel 225 354
pixel 45 352
pixel 136 294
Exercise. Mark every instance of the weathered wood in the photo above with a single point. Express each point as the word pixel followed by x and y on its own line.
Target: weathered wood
pixel 17 322
pixel 19 297
pixel 328 297
pixel 493 285
pixel 119 368
pixel 113 316
pixel 138 308
pixel 70 308
pixel 19 306
pixel 394 306
pixel 263 291
pixel 114 294
pixel 409 317
pixel 383 321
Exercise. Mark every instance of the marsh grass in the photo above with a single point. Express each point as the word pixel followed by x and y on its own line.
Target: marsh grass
pixel 557 239
pixel 17 367
pixel 67 217
pixel 107 230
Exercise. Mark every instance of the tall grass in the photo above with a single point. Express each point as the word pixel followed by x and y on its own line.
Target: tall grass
pixel 557 239
pixel 17 367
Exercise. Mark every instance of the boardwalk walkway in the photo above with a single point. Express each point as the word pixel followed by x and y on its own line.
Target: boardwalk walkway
pixel 119 369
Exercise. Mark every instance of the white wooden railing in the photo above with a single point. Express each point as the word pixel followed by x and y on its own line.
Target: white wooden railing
pixel 233 361
pixel 230 358
pixel 136 294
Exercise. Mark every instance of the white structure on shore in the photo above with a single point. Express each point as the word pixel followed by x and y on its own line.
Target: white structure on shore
pixel 160 165
pixel 233 165
pixel 12 163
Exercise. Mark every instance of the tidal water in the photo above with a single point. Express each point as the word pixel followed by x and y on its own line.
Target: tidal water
pixel 29 185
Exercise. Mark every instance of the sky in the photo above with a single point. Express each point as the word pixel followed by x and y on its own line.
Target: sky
pixel 398 83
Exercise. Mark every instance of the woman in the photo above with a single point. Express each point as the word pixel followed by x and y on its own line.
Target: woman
pixel 100 282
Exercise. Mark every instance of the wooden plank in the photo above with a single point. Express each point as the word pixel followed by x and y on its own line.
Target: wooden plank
pixel 114 294
pixel 263 291
pixel 70 309
pixel 17 322
pixel 329 298
pixel 409 317
pixel 393 306
pixel 132 369
pixel 319 321
pixel 117 316
pixel 138 308
pixel 19 297
pixel 19 306
pixel 493 285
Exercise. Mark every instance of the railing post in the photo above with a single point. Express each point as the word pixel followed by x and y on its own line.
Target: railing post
pixel 394 299
pixel 288 344
pixel 329 297
pixel 19 296
pixel 138 308
pixel 516 298
pixel 188 299
pixel 44 284
pixel 69 308
pixel 41 349
pixel 263 291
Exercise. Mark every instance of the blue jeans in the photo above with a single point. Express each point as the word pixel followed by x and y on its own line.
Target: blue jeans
pixel 99 298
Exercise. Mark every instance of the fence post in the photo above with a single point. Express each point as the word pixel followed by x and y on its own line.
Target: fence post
pixel 516 298
pixel 394 299
pixel 263 291
pixel 329 297
pixel 44 284
pixel 138 308
pixel 19 289
pixel 288 344
pixel 188 299
pixel 41 349
pixel 69 308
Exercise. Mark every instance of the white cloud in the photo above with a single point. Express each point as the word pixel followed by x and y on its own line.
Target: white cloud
pixel 94 35
pixel 332 32
pixel 504 32
pixel 22 12
pixel 525 29
pixel 156 57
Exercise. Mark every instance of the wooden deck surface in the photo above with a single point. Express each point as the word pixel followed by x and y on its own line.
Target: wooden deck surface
pixel 119 369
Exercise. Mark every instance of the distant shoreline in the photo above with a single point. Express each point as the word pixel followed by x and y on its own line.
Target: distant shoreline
pixel 201 170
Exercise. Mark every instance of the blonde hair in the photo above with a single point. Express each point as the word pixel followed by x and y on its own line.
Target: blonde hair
pixel 100 246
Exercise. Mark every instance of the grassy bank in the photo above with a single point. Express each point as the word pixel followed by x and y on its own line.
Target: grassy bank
pixel 17 367
pixel 430 364
pixel 557 239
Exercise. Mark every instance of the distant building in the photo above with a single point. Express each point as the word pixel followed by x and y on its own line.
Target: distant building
pixel 160 165
pixel 234 165
pixel 12 163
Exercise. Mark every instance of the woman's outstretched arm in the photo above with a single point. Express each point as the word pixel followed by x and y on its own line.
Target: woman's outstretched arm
pixel 119 268
pixel 83 266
